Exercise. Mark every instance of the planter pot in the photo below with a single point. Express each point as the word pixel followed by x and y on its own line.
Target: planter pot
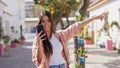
pixel 101 45
pixel 80 41
pixel 109 45
pixel 22 41
pixel 1 49
pixel 13 44
pixel 87 42
pixel 82 59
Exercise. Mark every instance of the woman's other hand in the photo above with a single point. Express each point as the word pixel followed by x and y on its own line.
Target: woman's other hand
pixel 40 37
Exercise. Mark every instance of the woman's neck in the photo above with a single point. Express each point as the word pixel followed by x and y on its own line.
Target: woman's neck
pixel 48 35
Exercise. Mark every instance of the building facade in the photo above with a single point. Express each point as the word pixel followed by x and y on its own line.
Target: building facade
pixel 32 13
pixel 2 7
pixel 98 7
pixel 14 17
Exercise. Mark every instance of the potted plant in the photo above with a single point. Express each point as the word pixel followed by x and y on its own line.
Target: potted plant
pixel 80 39
pixel 101 45
pixel 14 43
pixel 87 40
pixel 77 65
pixel 81 55
pixel 6 40
pixel 22 39
pixel 114 23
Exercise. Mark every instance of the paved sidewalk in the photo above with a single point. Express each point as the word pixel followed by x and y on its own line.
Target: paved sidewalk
pixel 97 57
pixel 71 50
pixel 19 57
pixel 102 58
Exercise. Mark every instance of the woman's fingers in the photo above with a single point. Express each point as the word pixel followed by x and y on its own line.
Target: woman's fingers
pixel 43 39
pixel 105 14
pixel 39 33
pixel 101 17
pixel 42 36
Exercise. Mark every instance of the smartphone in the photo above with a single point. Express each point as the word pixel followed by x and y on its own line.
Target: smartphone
pixel 39 29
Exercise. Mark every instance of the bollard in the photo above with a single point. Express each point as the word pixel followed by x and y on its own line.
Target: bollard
pixel 109 45
pixel 1 49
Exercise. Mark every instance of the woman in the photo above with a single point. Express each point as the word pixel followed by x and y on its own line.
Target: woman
pixel 55 54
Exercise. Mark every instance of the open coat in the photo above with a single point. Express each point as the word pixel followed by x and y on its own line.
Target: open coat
pixel 63 36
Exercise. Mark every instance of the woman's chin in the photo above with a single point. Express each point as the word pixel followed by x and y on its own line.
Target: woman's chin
pixel 46 30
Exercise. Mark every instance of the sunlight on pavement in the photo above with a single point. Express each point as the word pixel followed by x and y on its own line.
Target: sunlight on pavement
pixel 27 47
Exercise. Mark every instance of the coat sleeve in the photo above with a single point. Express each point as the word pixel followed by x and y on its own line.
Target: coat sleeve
pixel 69 32
pixel 34 53
pixel 39 62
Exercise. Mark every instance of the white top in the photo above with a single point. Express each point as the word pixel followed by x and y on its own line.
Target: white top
pixel 56 57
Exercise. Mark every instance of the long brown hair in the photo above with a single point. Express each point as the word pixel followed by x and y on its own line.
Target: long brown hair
pixel 46 43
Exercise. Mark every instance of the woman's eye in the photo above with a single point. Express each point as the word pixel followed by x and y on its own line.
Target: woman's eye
pixel 42 21
pixel 48 20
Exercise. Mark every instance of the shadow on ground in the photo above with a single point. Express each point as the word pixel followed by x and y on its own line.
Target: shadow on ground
pixel 113 64
pixel 102 51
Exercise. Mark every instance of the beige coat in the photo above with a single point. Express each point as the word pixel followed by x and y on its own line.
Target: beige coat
pixel 63 36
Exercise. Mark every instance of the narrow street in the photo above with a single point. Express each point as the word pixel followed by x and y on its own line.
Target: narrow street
pixel 19 57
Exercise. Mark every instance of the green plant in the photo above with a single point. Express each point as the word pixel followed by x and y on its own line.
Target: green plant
pixel 79 18
pixel 78 65
pixel 6 39
pixel 81 53
pixel 87 38
pixel 114 23
pixel 80 35
pixel 16 40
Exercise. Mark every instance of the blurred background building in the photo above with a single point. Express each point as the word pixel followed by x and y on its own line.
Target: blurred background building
pixel 99 6
pixel 31 14
pixel 12 16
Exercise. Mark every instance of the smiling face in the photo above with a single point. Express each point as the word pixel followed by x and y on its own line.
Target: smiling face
pixel 45 21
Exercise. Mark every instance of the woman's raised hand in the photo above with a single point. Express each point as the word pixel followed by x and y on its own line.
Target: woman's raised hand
pixel 104 15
